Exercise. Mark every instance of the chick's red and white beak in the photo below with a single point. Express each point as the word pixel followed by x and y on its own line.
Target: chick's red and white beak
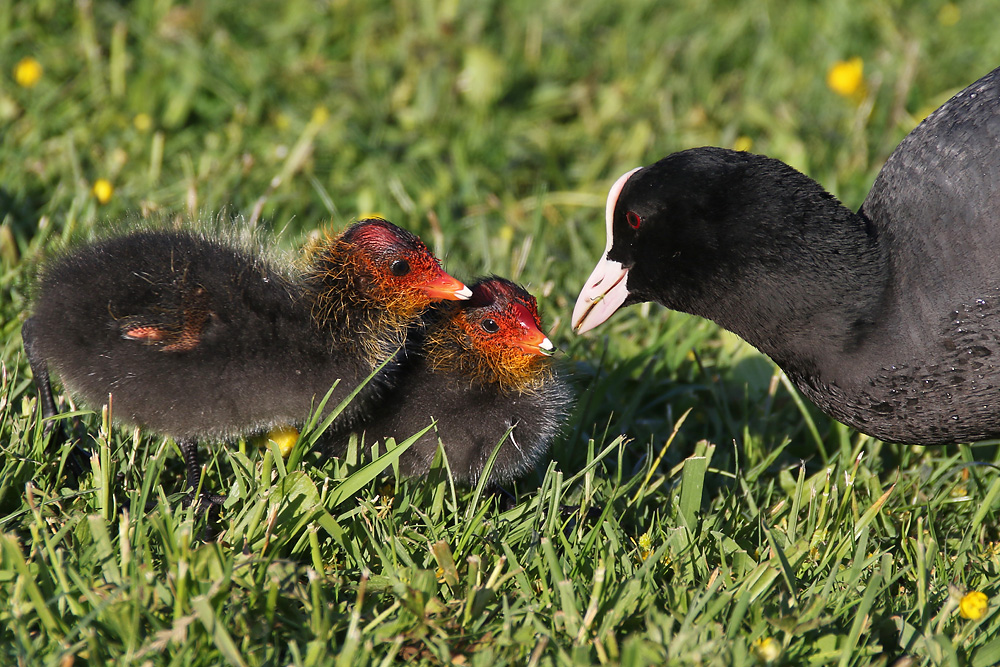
pixel 444 287
pixel 605 290
pixel 532 339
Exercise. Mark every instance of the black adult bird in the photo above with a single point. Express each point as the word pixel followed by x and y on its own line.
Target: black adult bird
pixel 200 338
pixel 888 319
pixel 482 371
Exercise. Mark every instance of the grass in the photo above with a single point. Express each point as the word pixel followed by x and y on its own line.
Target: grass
pixel 696 511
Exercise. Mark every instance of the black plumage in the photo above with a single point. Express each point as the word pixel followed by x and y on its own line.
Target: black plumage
pixel 888 318
pixel 197 338
pixel 482 371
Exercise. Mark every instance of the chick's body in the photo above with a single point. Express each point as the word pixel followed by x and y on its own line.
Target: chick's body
pixel 190 335
pixel 198 338
pixel 483 375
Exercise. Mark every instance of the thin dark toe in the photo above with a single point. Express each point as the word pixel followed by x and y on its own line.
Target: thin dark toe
pixel 206 501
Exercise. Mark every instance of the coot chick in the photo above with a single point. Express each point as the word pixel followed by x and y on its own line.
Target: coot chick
pixel 483 369
pixel 198 338
pixel 888 319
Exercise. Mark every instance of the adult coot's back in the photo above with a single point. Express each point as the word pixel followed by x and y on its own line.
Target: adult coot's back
pixel 888 319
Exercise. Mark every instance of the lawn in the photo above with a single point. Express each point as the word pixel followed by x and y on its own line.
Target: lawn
pixel 695 511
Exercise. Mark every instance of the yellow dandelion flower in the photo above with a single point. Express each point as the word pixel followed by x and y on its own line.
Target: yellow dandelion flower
pixel 949 14
pixel 973 605
pixel 766 649
pixel 284 437
pixel 27 72
pixel 320 115
pixel 645 546
pixel 103 190
pixel 847 77
pixel 142 122
pixel 742 143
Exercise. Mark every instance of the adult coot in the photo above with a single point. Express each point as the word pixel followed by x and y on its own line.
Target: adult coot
pixel 888 318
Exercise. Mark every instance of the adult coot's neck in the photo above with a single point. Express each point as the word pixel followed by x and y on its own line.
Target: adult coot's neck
pixel 759 248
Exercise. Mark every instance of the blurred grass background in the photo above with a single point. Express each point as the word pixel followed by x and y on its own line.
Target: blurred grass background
pixel 493 130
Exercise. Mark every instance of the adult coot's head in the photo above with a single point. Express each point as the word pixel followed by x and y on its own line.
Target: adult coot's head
pixel 700 226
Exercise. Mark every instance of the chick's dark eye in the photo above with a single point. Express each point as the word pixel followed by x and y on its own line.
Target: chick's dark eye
pixel 633 219
pixel 490 326
pixel 400 267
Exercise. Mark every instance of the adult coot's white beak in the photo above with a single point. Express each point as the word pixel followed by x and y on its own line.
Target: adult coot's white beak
pixel 605 290
pixel 603 293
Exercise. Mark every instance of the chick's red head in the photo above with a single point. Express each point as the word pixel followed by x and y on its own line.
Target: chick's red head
pixel 501 315
pixel 494 339
pixel 396 265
